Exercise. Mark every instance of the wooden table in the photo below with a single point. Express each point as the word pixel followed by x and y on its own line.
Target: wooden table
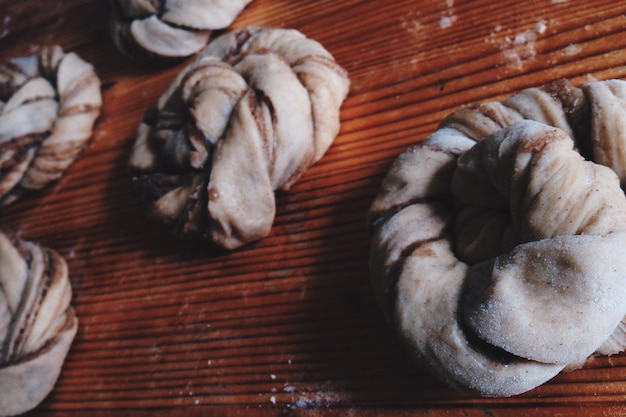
pixel 288 326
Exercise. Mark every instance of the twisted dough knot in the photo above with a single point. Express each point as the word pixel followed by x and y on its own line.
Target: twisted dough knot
pixel 48 105
pixel 170 28
pixel 37 323
pixel 249 116
pixel 498 251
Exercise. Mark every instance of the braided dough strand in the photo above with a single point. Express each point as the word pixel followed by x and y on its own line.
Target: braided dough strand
pixel 256 109
pixel 498 251
pixel 170 28
pixel 48 107
pixel 37 323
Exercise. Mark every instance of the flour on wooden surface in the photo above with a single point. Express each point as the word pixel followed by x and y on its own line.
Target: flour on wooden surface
pixel 518 48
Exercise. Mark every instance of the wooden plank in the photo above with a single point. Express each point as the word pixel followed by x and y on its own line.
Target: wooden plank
pixel 289 325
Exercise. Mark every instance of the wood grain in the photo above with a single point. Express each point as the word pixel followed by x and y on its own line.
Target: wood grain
pixel 289 325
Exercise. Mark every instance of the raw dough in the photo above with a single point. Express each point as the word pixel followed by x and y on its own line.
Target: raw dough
pixel 169 28
pixel 498 251
pixel 37 323
pixel 247 117
pixel 48 105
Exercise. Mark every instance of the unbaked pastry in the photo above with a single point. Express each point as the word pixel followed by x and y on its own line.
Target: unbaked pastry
pixel 169 28
pixel 498 251
pixel 48 105
pixel 247 117
pixel 37 322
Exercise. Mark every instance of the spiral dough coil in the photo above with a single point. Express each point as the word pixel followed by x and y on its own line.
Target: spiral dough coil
pixel 498 250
